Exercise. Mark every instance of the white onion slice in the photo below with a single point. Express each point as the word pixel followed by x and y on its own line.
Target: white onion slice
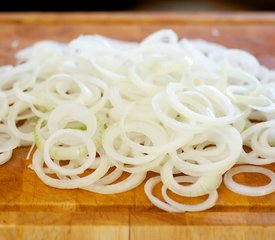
pixel 68 183
pixel 233 143
pixel 148 188
pixel 3 105
pixel 257 137
pixel 7 140
pixel 201 186
pixel 114 132
pixel 5 156
pixel 17 108
pixel 208 203
pixel 221 102
pixel 170 122
pixel 247 190
pixel 59 136
pixel 69 112
pixel 111 177
pixel 127 184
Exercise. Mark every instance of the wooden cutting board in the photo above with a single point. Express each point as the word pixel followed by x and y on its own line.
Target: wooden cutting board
pixel 31 210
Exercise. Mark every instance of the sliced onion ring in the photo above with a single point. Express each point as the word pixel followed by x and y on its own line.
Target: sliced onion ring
pixel 67 133
pixel 247 190
pixel 68 183
pixel 208 203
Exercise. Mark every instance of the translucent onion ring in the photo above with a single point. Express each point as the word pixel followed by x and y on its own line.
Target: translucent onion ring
pixel 65 133
pixel 127 184
pixel 70 112
pixel 203 184
pixel 5 156
pixel 247 190
pixel 218 167
pixel 13 117
pixel 148 188
pixel 38 162
pixel 7 144
pixel 3 105
pixel 208 203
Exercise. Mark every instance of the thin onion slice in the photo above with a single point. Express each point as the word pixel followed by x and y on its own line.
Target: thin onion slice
pixel 208 203
pixel 3 105
pixel 248 190
pixel 127 184
pixel 148 188
pixel 200 185
pixel 5 156
pixel 59 136
pixel 37 165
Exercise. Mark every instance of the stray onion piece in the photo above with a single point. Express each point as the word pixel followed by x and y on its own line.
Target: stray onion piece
pixel 186 110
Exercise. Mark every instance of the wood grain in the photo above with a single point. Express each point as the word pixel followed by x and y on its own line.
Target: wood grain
pixel 155 18
pixel 31 210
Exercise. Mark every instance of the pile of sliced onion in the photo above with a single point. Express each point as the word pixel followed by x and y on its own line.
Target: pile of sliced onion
pixel 97 108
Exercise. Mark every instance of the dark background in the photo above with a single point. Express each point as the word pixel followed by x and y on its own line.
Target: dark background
pixel 138 5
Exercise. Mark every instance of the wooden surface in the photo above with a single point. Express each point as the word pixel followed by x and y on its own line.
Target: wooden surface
pixel 31 210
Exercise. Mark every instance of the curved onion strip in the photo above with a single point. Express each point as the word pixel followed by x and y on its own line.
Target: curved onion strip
pixel 155 133
pixel 170 122
pixel 7 140
pixel 148 188
pixel 5 156
pixel 234 146
pixel 208 203
pixel 63 134
pixel 257 137
pixel 3 105
pixel 247 190
pixel 108 144
pixel 203 185
pixel 57 152
pixel 243 60
pixel 111 177
pixel 68 183
pixel 140 167
pixel 65 113
pixel 220 100
pixel 127 184
pixel 63 88
pixel 11 121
